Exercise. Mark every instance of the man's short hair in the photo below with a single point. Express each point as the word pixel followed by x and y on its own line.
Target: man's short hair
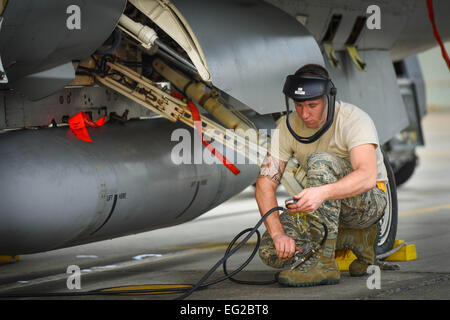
pixel 312 70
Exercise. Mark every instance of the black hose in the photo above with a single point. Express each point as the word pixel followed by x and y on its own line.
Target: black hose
pixel 199 285
pixel 117 34
pixel 225 271
pixel 228 253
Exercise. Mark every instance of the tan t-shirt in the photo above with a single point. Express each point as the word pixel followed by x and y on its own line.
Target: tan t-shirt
pixel 351 127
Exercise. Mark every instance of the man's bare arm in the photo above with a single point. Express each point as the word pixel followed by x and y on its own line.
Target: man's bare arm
pixel 272 169
pixel 266 185
pixel 269 178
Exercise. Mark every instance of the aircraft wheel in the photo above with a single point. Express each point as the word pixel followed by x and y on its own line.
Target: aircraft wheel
pixel 405 172
pixel 388 224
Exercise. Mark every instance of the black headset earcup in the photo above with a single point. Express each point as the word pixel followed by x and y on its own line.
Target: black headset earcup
pixel 333 91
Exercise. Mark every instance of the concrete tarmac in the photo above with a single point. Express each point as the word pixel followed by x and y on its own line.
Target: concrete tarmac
pixel 184 253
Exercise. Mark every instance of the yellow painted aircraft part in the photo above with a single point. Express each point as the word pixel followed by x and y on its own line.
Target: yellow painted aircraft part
pixel 331 55
pixel 354 55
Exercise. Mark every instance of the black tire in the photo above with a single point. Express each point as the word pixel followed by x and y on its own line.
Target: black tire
pixel 405 172
pixel 388 224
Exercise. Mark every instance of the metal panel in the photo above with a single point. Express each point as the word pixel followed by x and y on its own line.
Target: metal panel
pixel 250 47
pixel 19 112
pixel 394 16
pixel 35 34
pixel 375 91
pixel 44 83
pixel 414 73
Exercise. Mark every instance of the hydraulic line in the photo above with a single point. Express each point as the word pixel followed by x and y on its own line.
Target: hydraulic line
pixel 198 91
pixel 117 38
pixel 176 55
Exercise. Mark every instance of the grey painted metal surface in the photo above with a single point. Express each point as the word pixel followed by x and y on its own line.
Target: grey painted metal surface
pixel 405 27
pixel 44 83
pixel 17 112
pixel 250 47
pixel 414 73
pixel 57 191
pixel 35 36
pixel 375 91
pixel 394 15
pixel 417 35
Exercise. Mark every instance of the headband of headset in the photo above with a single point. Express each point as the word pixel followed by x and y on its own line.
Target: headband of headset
pixel 308 87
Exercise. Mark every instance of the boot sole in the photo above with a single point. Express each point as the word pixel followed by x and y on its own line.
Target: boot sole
pixel 290 283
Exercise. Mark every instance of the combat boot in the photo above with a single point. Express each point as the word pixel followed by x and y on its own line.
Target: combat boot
pixel 320 269
pixel 362 242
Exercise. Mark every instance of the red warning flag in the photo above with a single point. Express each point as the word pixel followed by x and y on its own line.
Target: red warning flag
pixel 80 121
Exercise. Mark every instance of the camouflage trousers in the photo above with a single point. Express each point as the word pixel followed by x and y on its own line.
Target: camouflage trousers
pixel 357 212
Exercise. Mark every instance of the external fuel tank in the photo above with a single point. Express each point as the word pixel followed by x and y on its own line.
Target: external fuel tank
pixel 57 191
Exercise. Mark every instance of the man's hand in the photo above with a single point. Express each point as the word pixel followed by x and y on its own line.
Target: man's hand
pixel 308 200
pixel 285 246
pixel 268 180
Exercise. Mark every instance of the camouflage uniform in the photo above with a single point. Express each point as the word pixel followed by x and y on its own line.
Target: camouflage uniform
pixel 357 212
